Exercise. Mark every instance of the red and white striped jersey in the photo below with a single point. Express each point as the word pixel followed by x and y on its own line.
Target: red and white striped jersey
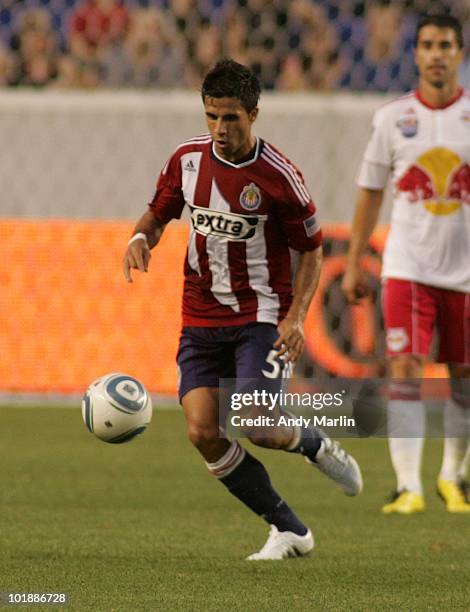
pixel 244 219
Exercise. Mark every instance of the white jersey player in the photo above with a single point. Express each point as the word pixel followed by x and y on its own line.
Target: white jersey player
pixel 422 142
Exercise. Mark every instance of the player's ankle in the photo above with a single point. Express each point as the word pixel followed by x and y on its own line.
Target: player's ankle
pixel 306 441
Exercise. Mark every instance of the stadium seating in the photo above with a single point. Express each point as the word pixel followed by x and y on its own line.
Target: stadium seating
pixel 297 45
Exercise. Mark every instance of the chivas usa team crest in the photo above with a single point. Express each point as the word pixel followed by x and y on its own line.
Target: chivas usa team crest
pixel 250 197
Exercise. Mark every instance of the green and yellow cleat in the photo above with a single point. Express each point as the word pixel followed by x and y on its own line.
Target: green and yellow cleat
pixel 454 496
pixel 404 502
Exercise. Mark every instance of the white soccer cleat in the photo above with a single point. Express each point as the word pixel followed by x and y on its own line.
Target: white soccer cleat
pixel 283 544
pixel 338 465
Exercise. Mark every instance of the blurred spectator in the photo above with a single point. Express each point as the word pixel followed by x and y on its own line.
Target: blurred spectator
pixel 35 43
pixel 192 24
pixel 7 66
pixel 380 58
pixel 315 43
pixel 68 73
pixel 96 23
pixel 267 37
pixel 39 70
pixel 73 72
pixel 290 44
pixel 95 26
pixel 152 54
pixel 292 75
pixel 186 14
pixel 235 37
pixel 207 49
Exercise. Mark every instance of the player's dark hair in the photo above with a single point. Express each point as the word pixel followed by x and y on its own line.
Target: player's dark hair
pixel 229 79
pixel 441 21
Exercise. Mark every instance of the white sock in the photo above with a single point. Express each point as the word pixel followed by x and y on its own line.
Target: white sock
pixel 463 469
pixel 406 418
pixel 455 440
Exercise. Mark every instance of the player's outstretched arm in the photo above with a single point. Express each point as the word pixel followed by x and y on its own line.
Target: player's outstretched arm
pixel 291 329
pixel 146 235
pixel 354 284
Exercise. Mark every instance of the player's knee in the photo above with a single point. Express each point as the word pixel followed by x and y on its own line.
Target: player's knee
pixel 264 439
pixel 258 439
pixel 202 436
pixel 405 377
pixel 406 366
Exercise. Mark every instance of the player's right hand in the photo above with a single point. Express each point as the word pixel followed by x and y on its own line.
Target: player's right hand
pixel 354 284
pixel 136 257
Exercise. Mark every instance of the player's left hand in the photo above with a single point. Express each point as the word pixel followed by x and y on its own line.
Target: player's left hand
pixel 136 257
pixel 291 339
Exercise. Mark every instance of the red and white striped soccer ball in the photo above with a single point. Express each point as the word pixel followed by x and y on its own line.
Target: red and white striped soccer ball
pixel 116 408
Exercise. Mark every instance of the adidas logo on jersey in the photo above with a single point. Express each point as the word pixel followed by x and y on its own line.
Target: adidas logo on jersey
pixel 189 166
pixel 226 225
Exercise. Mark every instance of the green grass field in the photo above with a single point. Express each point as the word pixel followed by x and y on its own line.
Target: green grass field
pixel 144 527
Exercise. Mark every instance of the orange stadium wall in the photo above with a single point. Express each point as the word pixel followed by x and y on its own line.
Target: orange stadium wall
pixel 68 315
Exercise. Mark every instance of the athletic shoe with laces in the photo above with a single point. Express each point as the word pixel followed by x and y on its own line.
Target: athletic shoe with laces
pixel 283 544
pixel 404 502
pixel 338 465
pixel 453 495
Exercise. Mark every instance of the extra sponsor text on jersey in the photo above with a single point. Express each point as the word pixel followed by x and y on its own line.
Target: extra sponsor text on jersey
pixel 224 224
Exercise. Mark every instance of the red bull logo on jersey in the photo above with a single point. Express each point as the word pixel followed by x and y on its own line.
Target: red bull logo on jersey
pixel 250 197
pixel 397 339
pixel 231 226
pixel 439 179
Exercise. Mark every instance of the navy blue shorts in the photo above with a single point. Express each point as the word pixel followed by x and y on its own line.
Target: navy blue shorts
pixel 207 354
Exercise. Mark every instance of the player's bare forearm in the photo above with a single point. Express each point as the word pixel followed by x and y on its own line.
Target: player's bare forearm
pixel 145 237
pixel 149 225
pixel 305 283
pixel 354 282
pixel 365 219
pixel 291 329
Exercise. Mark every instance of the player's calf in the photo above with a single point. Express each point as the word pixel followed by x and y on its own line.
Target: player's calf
pixel 247 479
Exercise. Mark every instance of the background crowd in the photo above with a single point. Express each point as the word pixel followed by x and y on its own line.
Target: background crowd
pixel 292 45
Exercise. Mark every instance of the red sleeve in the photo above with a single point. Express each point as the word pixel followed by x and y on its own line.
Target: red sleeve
pixel 298 218
pixel 168 201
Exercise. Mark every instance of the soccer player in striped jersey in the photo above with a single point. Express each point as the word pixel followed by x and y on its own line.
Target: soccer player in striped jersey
pixel 242 313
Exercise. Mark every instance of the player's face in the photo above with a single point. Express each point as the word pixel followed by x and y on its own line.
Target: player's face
pixel 230 127
pixel 437 55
